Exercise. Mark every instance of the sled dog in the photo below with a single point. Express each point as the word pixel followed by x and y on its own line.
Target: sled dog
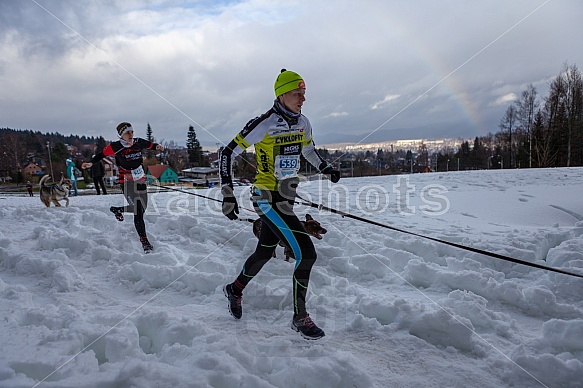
pixel 54 191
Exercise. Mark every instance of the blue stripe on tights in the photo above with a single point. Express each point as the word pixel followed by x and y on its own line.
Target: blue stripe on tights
pixel 274 217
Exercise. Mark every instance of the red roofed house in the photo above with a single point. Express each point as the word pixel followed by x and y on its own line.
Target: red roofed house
pixel 162 173
pixel 32 169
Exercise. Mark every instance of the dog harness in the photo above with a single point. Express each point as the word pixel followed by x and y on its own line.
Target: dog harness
pixel 58 188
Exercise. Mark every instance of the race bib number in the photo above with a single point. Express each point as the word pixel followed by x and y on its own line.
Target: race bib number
pixel 138 173
pixel 286 166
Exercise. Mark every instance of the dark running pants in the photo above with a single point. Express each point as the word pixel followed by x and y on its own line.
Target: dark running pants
pixel 280 223
pixel 136 193
pixel 99 182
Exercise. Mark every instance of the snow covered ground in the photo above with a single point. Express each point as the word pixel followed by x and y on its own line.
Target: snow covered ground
pixel 82 306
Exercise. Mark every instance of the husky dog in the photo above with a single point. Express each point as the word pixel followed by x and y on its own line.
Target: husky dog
pixel 54 192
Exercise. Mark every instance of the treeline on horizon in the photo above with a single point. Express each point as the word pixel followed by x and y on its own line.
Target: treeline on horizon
pixel 534 132
pixel 18 148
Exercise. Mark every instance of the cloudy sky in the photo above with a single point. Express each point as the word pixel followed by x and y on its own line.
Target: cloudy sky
pixel 375 69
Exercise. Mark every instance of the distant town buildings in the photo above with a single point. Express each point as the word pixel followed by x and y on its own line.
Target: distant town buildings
pixel 432 145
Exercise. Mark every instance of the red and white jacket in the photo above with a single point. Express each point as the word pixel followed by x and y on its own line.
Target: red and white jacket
pixel 129 160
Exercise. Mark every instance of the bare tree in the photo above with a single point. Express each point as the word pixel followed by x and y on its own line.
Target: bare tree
pixel 13 154
pixel 526 109
pixel 542 139
pixel 507 124
pixel 572 102
pixel 175 157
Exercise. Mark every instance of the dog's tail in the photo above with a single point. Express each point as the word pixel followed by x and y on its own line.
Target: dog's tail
pixel 44 179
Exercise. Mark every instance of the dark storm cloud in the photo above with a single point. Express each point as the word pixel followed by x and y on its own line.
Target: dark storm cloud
pixel 374 69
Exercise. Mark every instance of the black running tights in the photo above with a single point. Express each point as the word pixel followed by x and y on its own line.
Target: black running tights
pixel 136 193
pixel 280 223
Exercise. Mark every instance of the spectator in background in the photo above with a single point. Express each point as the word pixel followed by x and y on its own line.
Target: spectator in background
pixel 97 172
pixel 29 188
pixel 71 175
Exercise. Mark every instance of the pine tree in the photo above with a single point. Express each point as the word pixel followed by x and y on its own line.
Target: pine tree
pixel 195 157
pixel 100 144
pixel 149 137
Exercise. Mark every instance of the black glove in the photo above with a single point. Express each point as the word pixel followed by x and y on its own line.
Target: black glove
pixel 329 170
pixel 230 206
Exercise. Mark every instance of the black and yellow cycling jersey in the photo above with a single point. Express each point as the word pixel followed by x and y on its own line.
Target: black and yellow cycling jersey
pixel 279 140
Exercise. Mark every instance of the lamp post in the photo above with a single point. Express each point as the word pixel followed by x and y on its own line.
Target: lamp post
pixel 50 160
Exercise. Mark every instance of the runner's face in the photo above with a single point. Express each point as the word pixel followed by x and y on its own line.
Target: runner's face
pixel 294 100
pixel 128 136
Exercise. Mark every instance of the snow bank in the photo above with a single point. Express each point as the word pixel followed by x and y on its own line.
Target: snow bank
pixel 81 306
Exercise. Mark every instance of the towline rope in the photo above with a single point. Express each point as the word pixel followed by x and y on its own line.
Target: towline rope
pixel 475 250
pixel 305 202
